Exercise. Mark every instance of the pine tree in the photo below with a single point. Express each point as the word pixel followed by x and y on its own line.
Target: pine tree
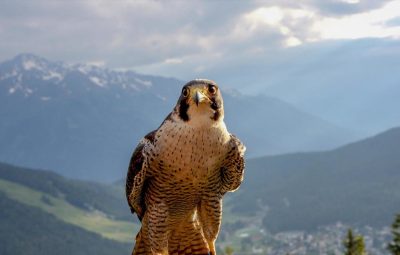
pixel 354 245
pixel 394 246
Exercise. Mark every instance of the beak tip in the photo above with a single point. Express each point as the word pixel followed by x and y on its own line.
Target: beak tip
pixel 197 98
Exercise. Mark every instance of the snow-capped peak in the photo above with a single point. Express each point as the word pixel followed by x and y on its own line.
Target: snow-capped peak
pixel 30 64
pixel 30 61
pixel 29 74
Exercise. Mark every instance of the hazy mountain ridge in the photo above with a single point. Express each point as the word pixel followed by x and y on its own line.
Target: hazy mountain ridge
pixel 84 121
pixel 356 184
pixel 351 83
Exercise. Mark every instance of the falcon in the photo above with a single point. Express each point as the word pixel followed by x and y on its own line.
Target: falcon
pixel 179 173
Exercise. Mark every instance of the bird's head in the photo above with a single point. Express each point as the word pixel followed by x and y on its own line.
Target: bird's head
pixel 200 103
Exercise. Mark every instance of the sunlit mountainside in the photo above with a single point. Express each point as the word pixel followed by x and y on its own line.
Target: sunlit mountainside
pixel 44 213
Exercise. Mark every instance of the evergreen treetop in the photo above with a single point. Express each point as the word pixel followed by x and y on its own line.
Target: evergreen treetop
pixel 354 245
pixel 394 245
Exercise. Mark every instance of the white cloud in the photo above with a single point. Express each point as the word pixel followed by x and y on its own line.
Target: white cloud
pixel 361 25
pixel 292 42
pixel 351 1
pixel 270 15
pixel 263 31
pixel 281 20
pixel 96 63
pixel 173 61
pixel 353 26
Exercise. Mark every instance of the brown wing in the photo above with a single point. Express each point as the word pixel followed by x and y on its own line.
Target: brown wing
pixel 135 186
pixel 233 168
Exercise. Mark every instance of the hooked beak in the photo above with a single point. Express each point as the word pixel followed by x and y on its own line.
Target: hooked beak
pixel 199 97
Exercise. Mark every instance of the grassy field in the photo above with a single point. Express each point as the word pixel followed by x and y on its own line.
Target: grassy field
pixel 94 221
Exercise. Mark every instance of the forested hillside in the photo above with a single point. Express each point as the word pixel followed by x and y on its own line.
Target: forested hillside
pixel 355 184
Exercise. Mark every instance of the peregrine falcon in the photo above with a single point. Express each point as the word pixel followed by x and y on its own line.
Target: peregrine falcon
pixel 179 173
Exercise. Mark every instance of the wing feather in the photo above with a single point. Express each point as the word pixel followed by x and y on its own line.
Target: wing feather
pixel 135 186
pixel 233 167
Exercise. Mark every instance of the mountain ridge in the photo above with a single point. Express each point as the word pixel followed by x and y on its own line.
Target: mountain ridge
pixel 352 84
pixel 362 176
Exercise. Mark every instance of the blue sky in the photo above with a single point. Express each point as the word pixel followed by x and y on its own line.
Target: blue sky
pixel 187 39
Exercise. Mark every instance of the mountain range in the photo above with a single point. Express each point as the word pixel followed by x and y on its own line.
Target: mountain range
pixel 83 121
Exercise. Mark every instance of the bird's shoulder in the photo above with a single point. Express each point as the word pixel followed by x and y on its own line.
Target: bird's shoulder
pixel 236 145
pixel 136 163
pixel 138 154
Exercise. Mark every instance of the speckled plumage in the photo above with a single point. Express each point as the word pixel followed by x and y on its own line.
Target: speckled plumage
pixel 179 173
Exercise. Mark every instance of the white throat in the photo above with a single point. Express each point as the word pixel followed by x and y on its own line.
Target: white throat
pixel 203 116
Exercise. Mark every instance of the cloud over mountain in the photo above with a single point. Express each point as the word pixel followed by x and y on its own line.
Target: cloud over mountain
pixel 184 38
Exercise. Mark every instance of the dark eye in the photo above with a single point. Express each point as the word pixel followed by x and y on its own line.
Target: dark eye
pixel 185 92
pixel 212 89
